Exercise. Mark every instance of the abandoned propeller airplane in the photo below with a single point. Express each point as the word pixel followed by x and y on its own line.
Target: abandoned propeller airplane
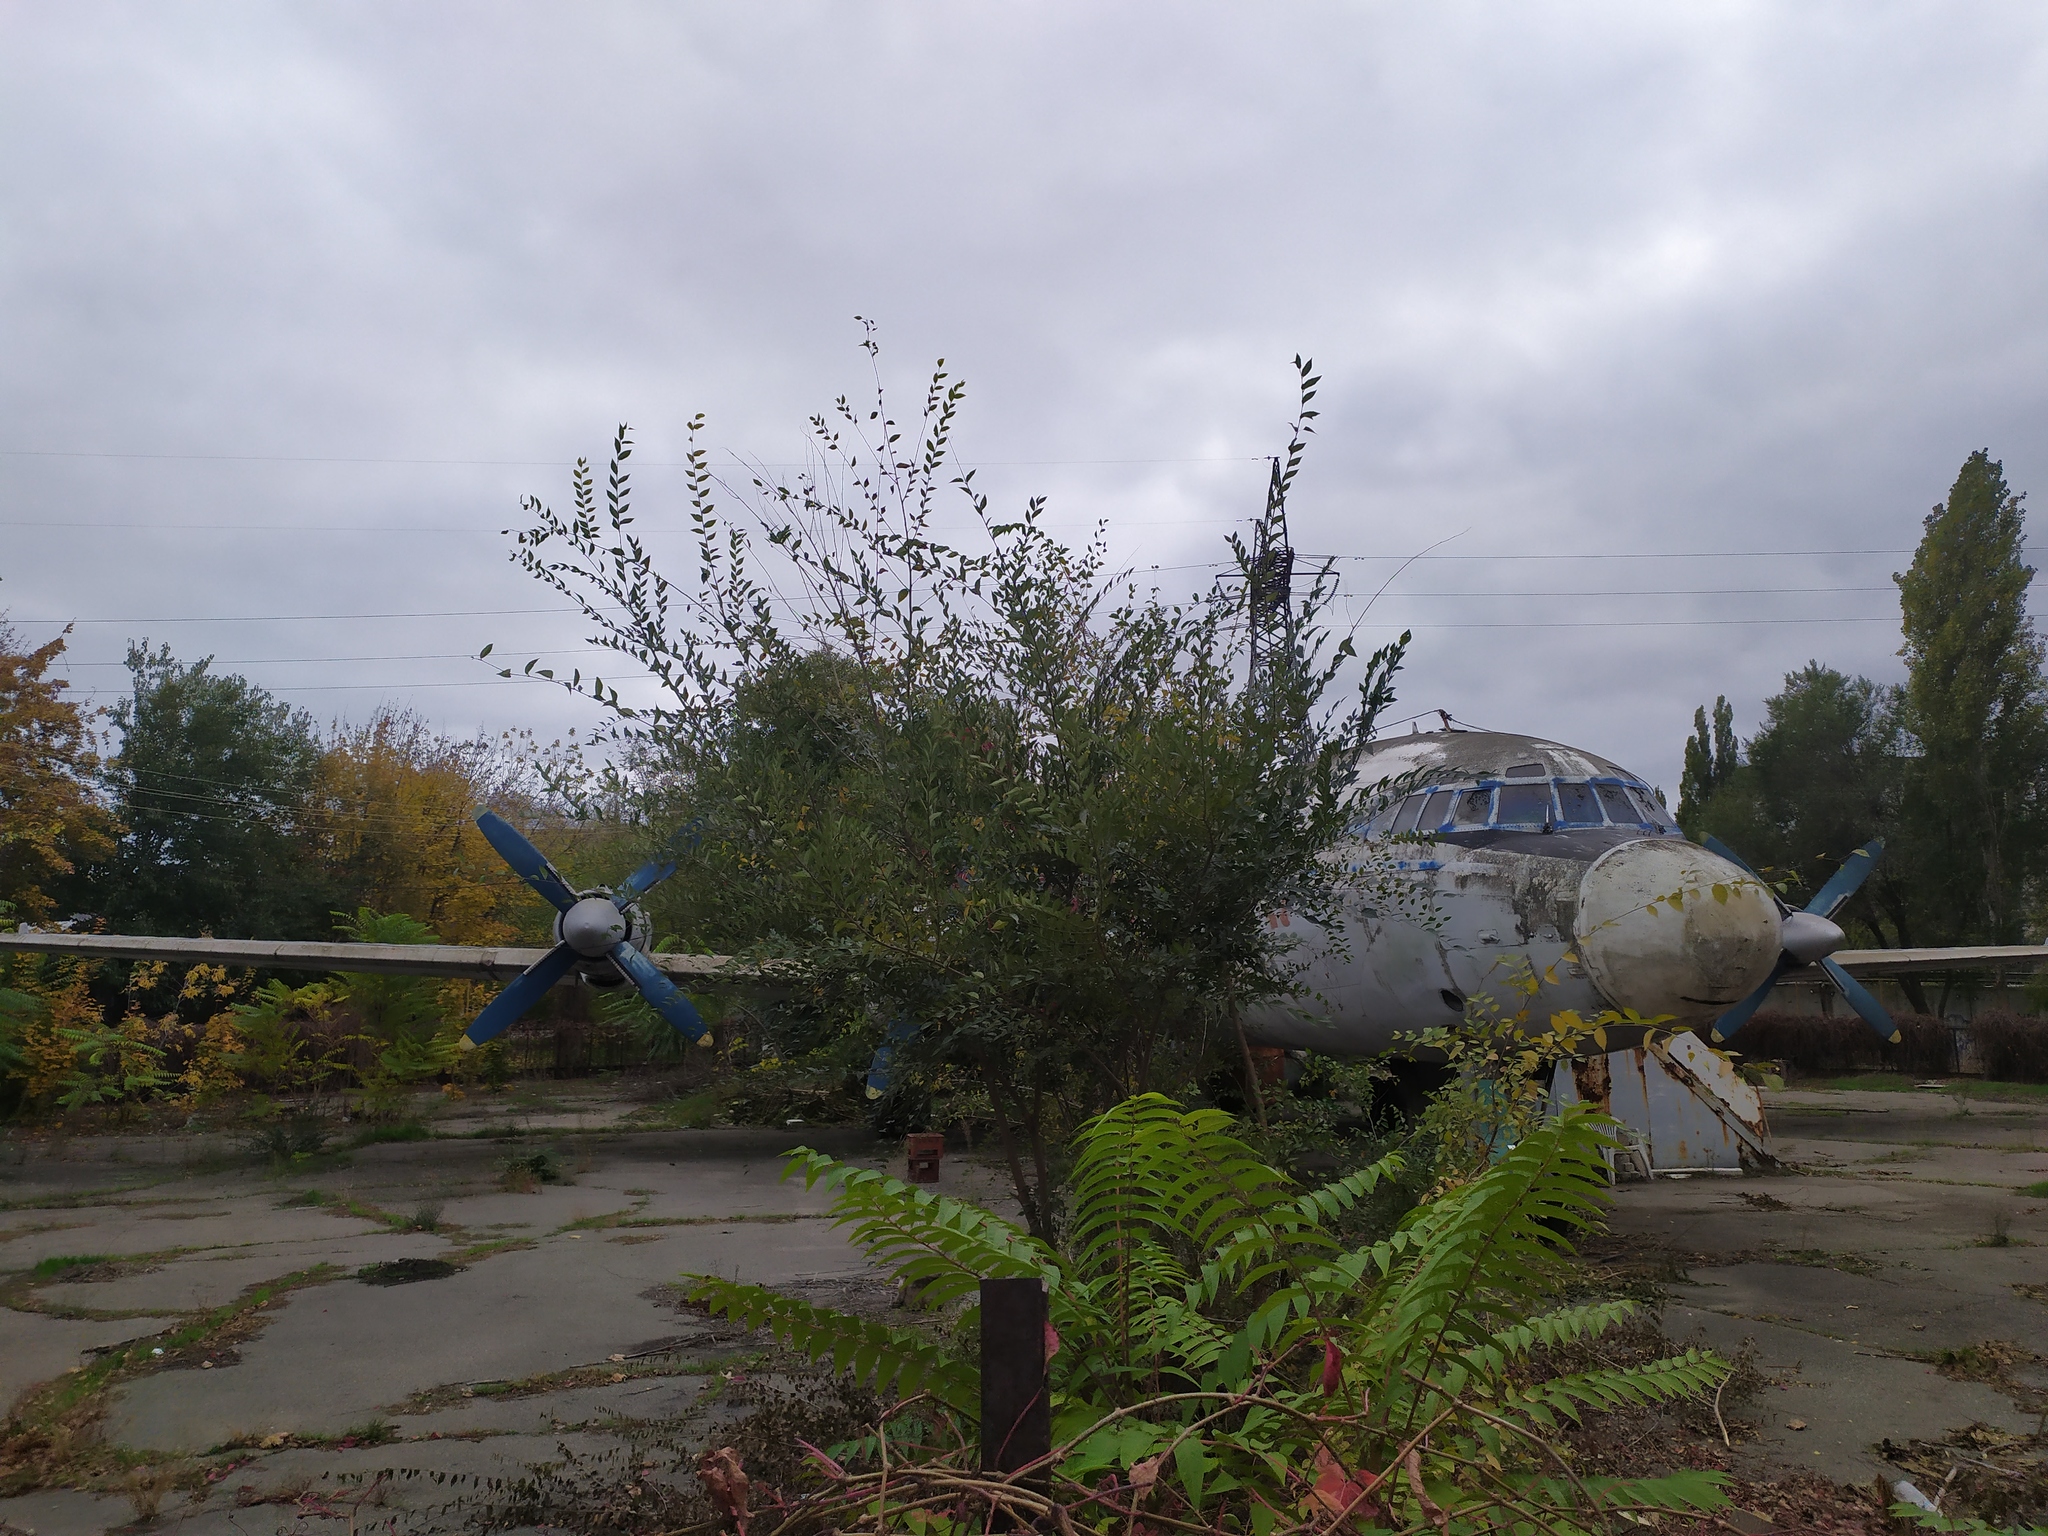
pixel 1510 856
pixel 1493 856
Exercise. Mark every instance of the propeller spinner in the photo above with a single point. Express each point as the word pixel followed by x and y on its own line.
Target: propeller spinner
pixel 1809 937
pixel 591 926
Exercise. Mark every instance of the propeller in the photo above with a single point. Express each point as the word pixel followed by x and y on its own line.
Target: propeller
pixel 593 925
pixel 882 1069
pixel 1809 937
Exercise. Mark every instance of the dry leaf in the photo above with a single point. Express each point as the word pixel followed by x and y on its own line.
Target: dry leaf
pixel 726 1482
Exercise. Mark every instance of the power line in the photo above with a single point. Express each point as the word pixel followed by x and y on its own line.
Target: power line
pixel 292 458
pixel 295 618
pixel 1875 618
pixel 1476 595
pixel 283 661
pixel 279 661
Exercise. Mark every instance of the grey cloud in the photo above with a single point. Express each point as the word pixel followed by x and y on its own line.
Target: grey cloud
pixel 1581 280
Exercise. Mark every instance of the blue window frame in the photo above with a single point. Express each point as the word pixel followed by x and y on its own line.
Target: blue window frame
pixel 1577 805
pixel 1436 812
pixel 1524 805
pixel 1614 799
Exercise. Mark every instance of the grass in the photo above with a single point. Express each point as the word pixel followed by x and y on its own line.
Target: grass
pixel 1954 1087
pixel 58 1263
pixel 405 1271
pixel 2037 1191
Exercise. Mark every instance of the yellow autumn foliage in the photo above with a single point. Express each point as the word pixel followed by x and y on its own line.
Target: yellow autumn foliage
pixel 396 826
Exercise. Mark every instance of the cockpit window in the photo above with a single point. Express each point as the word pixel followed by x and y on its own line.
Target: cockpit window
pixel 1404 820
pixel 1524 805
pixel 1471 808
pixel 1619 807
pixel 1436 812
pixel 1653 812
pixel 1576 805
pixel 1526 771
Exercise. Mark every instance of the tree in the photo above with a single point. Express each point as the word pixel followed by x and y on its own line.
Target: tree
pixel 1976 708
pixel 212 783
pixel 1711 760
pixel 51 822
pixel 396 830
pixel 1021 817
pixel 1827 767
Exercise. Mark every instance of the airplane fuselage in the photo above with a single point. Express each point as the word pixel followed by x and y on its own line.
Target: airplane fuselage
pixel 1493 859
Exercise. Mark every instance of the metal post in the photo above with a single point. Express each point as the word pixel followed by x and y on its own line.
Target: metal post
pixel 1016 1409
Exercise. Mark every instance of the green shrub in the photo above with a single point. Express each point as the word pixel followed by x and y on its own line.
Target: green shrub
pixel 1221 1357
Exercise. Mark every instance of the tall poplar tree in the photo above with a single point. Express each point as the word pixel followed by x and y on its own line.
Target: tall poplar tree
pixel 1711 758
pixel 1976 705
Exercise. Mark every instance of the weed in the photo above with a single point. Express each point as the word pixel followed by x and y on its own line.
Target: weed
pixel 2000 1235
pixel 2009 1367
pixel 425 1217
pixel 304 1197
pixel 524 1172
pixel 292 1139
pixel 59 1266
pixel 405 1271
pixel 2036 1191
pixel 146 1488
pixel 692 1112
pixel 370 1432
pixel 1821 1258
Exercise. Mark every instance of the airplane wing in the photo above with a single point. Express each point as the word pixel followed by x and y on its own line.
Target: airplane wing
pixel 1966 957
pixel 385 959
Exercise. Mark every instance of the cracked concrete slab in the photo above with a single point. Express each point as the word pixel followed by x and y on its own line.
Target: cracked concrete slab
pixel 1847 1398
pixel 1897 1232
pixel 1895 1187
pixel 334 1355
pixel 204 1280
pixel 36 1348
pixel 121 1232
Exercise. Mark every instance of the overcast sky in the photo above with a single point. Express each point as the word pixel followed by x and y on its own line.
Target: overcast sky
pixel 1678 318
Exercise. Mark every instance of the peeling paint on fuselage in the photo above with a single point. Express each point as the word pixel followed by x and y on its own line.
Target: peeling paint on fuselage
pixel 1454 917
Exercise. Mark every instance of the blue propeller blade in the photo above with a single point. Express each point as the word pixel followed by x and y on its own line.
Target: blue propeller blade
pixel 527 988
pixel 1854 871
pixel 635 886
pixel 1739 1015
pixel 527 861
pixel 660 992
pixel 882 1070
pixel 1869 1008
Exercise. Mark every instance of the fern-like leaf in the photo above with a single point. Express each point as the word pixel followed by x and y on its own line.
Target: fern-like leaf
pixel 943 1247
pixel 889 1358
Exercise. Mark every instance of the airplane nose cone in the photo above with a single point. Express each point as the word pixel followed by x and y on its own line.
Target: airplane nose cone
pixel 1665 927
pixel 1809 937
pixel 592 927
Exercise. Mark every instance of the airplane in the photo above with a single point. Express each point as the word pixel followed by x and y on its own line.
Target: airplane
pixel 1491 857
pixel 1494 857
